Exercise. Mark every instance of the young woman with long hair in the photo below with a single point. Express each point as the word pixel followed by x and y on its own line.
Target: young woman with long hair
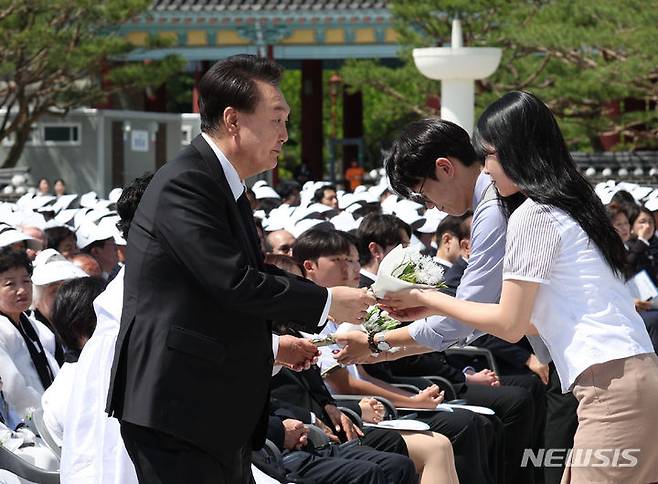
pixel 563 278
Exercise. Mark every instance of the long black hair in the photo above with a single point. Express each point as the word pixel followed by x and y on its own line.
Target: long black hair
pixel 534 155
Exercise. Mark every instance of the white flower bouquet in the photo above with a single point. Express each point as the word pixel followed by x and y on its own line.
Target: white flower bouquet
pixel 376 320
pixel 404 268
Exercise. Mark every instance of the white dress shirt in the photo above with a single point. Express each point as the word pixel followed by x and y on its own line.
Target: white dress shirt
pixel 92 450
pixel 582 310
pixel 55 401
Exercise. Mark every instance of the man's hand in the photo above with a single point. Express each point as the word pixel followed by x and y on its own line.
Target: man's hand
pixel 430 397
pixel 484 377
pixel 539 368
pixel 355 348
pixel 342 422
pixel 296 434
pixel 327 431
pixel 296 353
pixel 642 305
pixel 350 304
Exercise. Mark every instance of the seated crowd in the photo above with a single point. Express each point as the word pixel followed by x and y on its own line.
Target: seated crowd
pixel 61 293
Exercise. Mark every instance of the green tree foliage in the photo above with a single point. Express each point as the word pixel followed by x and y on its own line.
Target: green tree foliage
pixel 594 63
pixel 61 54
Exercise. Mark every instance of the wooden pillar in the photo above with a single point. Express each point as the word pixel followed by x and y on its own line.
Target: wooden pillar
pixel 199 71
pixel 106 85
pixel 311 121
pixel 155 100
pixel 352 125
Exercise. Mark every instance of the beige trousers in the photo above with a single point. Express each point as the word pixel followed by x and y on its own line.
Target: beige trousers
pixel 617 437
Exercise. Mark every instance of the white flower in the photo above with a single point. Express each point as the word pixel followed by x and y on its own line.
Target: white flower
pixel 426 270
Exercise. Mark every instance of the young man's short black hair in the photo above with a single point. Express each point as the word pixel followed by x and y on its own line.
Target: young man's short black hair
pixel 314 243
pixel 56 235
pixel 11 258
pixel 381 229
pixel 465 226
pixel 73 315
pixel 413 154
pixel 129 201
pixel 319 193
pixel 455 225
pixel 287 188
pixel 231 82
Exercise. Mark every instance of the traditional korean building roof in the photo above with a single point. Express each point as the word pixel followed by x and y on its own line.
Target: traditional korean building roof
pixel 265 5
pixel 292 29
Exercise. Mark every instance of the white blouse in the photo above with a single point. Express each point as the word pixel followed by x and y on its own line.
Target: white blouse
pixel 583 311
pixel 21 384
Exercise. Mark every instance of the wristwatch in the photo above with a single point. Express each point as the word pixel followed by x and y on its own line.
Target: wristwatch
pixel 381 343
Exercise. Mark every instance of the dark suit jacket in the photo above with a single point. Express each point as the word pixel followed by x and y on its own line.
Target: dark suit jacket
pixel 365 281
pixel 305 389
pixel 194 357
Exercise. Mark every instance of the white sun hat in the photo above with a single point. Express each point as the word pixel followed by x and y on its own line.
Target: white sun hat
pixel 114 195
pixel 345 222
pixel 88 233
pixel 89 199
pixel 64 202
pixel 10 235
pixel 265 191
pixel 309 223
pixel 432 218
pixel 51 266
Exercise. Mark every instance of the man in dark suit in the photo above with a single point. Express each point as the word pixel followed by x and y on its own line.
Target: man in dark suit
pixel 194 354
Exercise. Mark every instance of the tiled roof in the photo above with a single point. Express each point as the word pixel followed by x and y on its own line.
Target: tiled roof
pixel 265 5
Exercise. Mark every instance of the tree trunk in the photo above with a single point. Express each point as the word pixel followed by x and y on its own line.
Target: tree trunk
pixel 22 135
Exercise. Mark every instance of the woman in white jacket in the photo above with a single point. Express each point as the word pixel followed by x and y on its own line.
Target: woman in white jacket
pixel 27 365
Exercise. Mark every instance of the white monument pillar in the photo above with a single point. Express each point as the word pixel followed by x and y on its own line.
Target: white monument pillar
pixel 457 67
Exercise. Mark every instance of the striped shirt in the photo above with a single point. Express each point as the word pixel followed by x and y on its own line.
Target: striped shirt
pixel 583 311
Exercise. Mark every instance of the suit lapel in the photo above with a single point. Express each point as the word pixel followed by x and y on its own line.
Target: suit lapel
pixel 217 172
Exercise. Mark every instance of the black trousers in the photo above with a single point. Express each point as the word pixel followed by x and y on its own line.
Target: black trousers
pixel 515 408
pixel 160 458
pixel 561 422
pixel 353 465
pixel 384 440
pixel 650 319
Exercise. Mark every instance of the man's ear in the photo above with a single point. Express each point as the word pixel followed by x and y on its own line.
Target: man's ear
pixel 465 245
pixel 375 249
pixel 230 119
pixel 309 266
pixel 445 168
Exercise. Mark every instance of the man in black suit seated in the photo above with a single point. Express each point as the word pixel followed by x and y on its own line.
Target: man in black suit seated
pixel 372 455
pixel 334 464
pixel 195 341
